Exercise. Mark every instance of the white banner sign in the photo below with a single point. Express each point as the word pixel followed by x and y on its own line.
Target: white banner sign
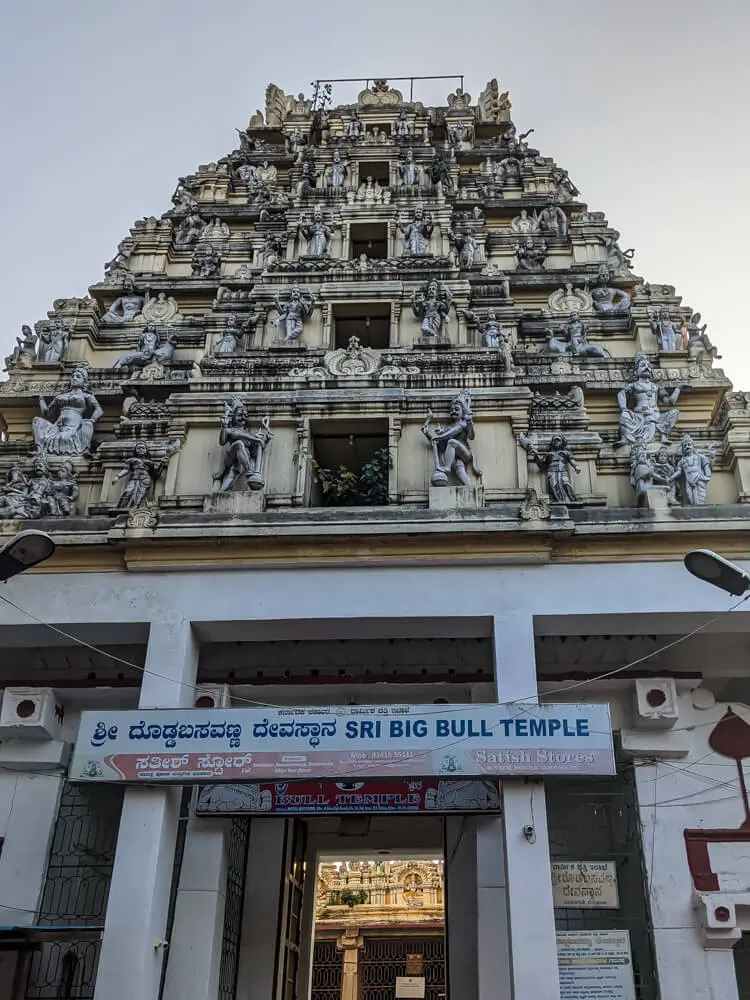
pixel 595 965
pixel 196 746
pixel 585 884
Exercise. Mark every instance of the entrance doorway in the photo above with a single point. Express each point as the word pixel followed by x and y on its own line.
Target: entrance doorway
pixel 379 924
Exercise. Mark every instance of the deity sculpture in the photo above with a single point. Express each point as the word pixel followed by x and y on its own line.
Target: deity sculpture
pixel 336 174
pixel 460 133
pixel 296 142
pixel 566 189
pixel 525 223
pixel 555 463
pixel 643 473
pixel 663 463
pixel 508 172
pixel 417 233
pixel 354 127
pixel 577 341
pixel 243 449
pixel 41 494
pixel 13 495
pixel 697 336
pixel 125 308
pixel 308 175
pixel 271 251
pixel 432 305
pixel 451 449
pixel 692 473
pixel 73 413
pixel 409 170
pixel 403 128
pixel 493 335
pixel 190 228
pixel 552 219
pixel 266 174
pixel 516 143
pixel 618 261
pixel 439 172
pixel 151 347
pixel 606 299
pixel 531 256
pixel 141 472
pixel 161 310
pixel 232 334
pixel 370 192
pixel 467 247
pixel 216 231
pixel 63 492
pixel 317 233
pixel 206 261
pixel 121 258
pixel 53 341
pixel 645 420
pixel 293 313
pixel 668 334
pixel 26 346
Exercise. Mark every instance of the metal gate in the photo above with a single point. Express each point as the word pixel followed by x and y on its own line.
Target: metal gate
pixel 383 959
pixel 76 889
pixel 326 971
pixel 239 839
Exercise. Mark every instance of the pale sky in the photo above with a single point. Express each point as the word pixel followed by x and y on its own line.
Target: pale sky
pixel 104 104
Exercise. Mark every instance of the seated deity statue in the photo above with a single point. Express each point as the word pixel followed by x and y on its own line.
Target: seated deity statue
pixel 698 340
pixel 25 349
pixel 370 192
pixel 531 255
pixel 125 308
pixel 190 229
pixel 72 414
pixel 151 347
pixel 606 298
pixel 644 419
pixel 525 223
pixel 552 219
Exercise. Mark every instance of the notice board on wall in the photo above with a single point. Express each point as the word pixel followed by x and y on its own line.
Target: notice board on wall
pixel 595 965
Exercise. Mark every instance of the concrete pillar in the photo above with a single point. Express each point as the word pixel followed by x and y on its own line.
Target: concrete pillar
pixel 531 918
pixel 194 954
pixel 133 945
pixel 461 914
pixel 259 947
pixel 350 943
pixel 28 810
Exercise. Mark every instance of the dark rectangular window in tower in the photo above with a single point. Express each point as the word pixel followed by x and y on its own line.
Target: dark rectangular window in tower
pixel 371 239
pixel 370 322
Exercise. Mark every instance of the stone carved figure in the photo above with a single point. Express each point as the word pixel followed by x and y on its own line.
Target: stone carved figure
pixel 417 233
pixel 566 189
pixel 25 349
pixel 151 347
pixel 574 341
pixel 293 313
pixel 439 172
pixel 190 228
pixel 121 258
pixel 494 106
pixel 554 463
pixel 126 307
pixel 451 448
pixel 411 174
pixel 72 414
pixel 552 219
pixel 206 261
pixel 63 491
pixel 335 175
pixel 403 127
pixel 140 473
pixel 493 335
pixel 668 334
pixel 14 493
pixel 663 463
pixel 53 341
pixel 232 334
pixel 606 299
pixel 516 142
pixel 525 223
pixel 643 473
pixel 467 247
pixel 216 231
pixel 272 250
pixel 644 420
pixel 317 233
pixel 370 192
pixel 508 172
pixel 354 127
pixel 243 449
pixel 570 299
pixel 161 310
pixel 618 261
pixel 692 473
pixel 531 255
pixel 40 494
pixel 432 306
pixel 697 337
pixel 460 133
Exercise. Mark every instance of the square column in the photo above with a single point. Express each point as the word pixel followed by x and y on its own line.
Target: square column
pixel 133 945
pixel 533 942
pixel 194 952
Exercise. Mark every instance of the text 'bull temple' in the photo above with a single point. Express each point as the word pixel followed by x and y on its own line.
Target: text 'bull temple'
pixel 369 305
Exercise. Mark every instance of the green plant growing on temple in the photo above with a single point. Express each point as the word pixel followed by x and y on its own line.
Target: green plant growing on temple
pixel 352 897
pixel 343 488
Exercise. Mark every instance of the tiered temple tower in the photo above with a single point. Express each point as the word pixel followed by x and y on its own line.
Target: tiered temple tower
pixel 368 305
